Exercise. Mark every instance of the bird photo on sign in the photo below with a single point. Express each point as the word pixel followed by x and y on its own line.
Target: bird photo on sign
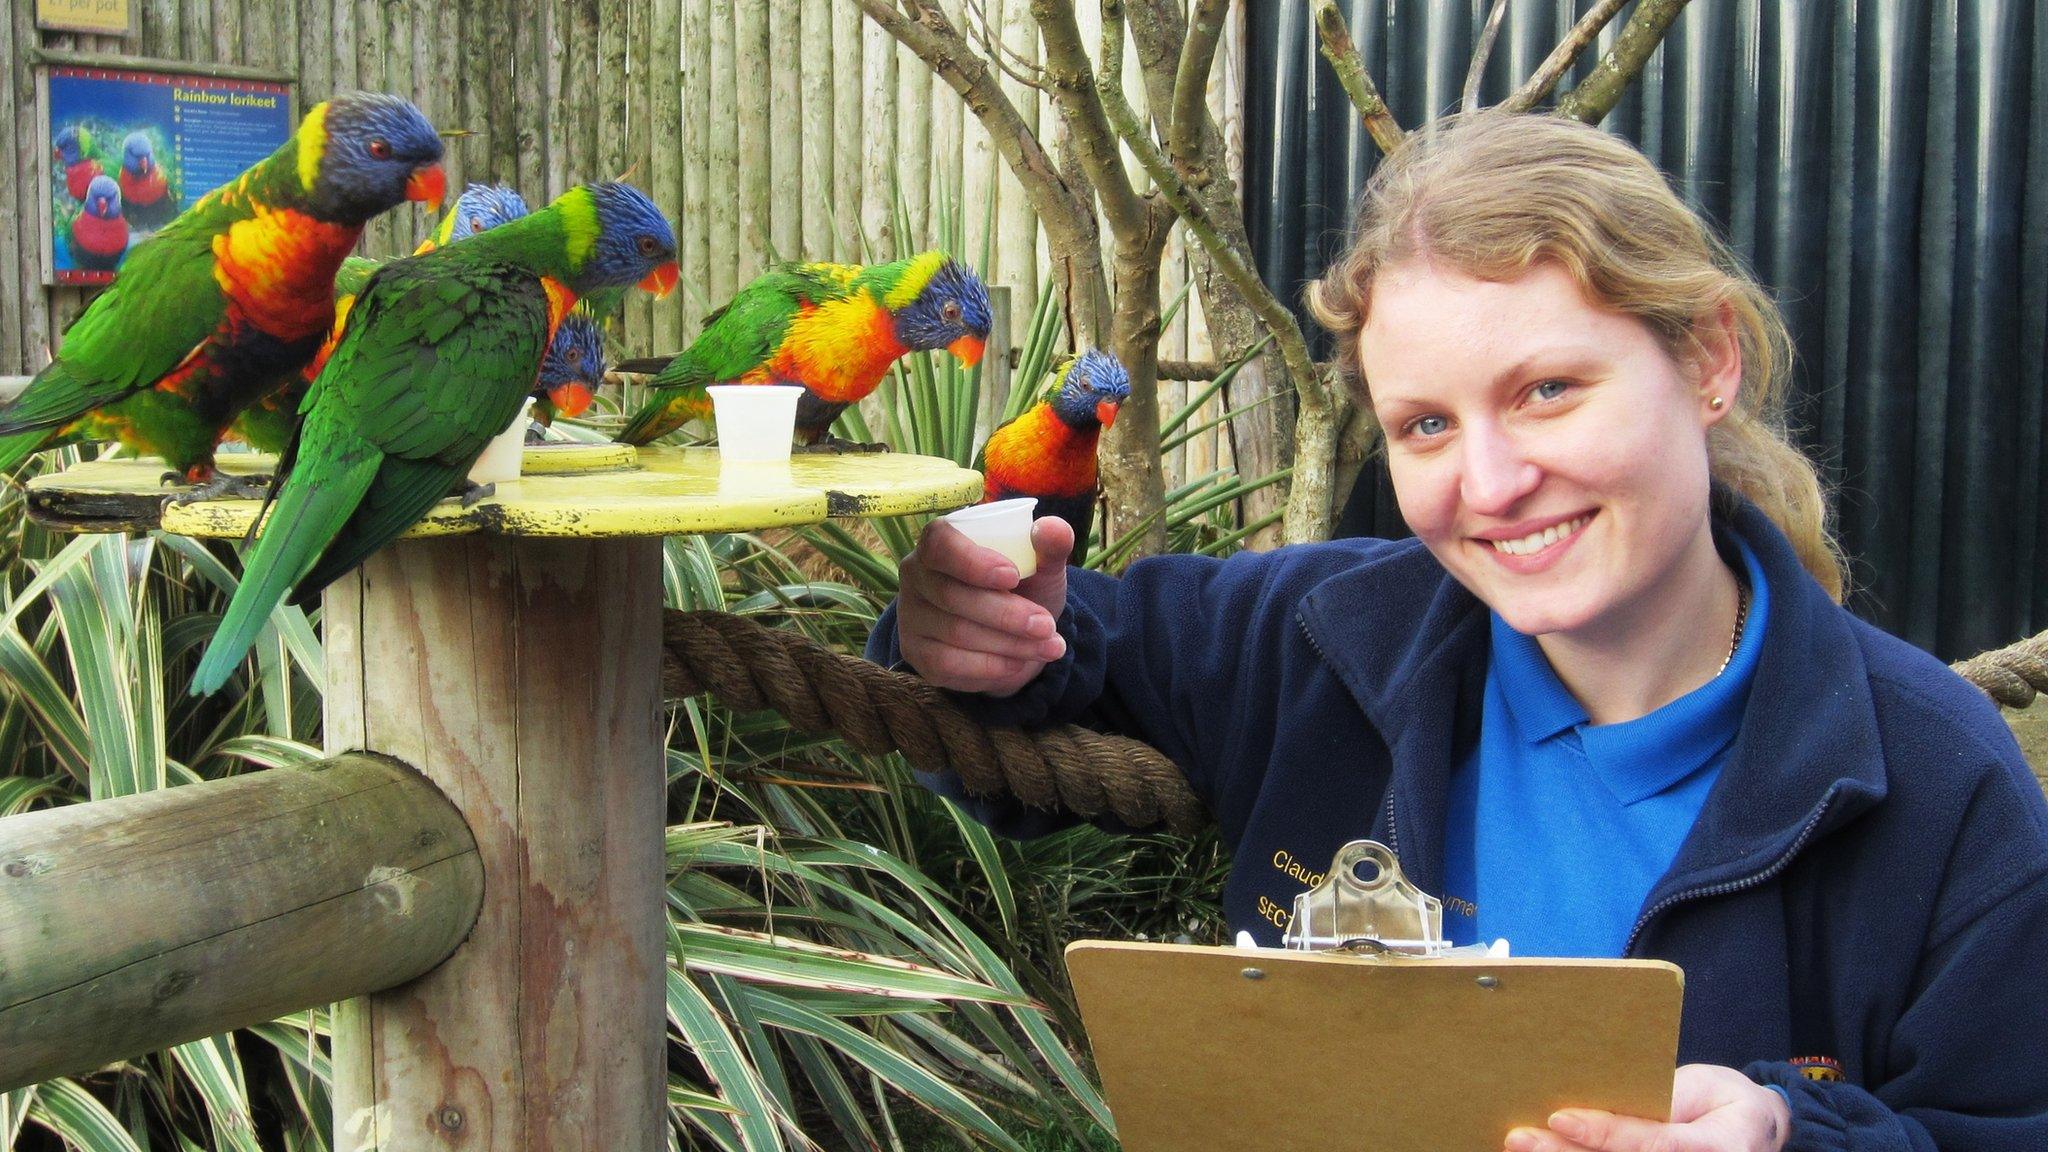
pixel 129 150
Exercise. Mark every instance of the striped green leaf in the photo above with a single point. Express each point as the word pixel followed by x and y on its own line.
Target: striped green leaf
pixel 787 960
pixel 82 1122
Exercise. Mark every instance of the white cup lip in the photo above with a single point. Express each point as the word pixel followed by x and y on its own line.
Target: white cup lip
pixel 765 391
pixel 995 510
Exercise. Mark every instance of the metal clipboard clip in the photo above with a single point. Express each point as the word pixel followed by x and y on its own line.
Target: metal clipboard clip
pixel 1366 906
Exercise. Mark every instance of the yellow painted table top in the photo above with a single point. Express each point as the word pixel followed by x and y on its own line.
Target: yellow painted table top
pixel 571 490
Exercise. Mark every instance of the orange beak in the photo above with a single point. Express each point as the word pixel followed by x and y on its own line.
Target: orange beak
pixel 428 185
pixel 662 280
pixel 968 349
pixel 570 399
pixel 1105 412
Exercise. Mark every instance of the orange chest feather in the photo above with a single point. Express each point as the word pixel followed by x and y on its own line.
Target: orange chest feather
pixel 277 270
pixel 840 349
pixel 561 298
pixel 1043 455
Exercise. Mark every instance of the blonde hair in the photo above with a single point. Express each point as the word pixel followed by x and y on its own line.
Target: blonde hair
pixel 1493 194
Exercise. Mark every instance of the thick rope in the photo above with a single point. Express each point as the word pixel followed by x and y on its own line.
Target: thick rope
pixel 751 667
pixel 2011 675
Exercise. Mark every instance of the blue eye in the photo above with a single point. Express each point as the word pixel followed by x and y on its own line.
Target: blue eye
pixel 1551 389
pixel 1428 425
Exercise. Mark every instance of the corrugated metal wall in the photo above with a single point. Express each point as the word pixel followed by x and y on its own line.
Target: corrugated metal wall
pixel 1882 164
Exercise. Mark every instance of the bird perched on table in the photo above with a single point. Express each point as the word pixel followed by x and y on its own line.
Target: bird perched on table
pixel 73 149
pixel 1049 451
pixel 572 370
pixel 437 356
pixel 267 424
pixel 480 207
pixel 143 188
pixel 100 233
pixel 213 310
pixel 833 328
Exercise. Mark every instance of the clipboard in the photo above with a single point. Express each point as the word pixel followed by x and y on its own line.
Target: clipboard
pixel 1207 1049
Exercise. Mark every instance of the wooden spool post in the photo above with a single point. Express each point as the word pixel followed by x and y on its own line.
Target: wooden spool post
pixel 522 676
pixel 511 651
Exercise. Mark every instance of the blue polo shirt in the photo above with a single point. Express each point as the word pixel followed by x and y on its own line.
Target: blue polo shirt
pixel 1557 829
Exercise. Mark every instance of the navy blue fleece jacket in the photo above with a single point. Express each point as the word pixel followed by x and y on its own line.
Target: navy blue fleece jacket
pixel 1867 883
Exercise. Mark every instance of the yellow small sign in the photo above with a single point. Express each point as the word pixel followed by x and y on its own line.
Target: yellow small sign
pixel 105 17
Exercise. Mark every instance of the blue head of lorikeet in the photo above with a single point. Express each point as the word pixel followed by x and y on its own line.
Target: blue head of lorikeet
pixel 138 155
pixel 70 144
pixel 103 198
pixel 1095 387
pixel 951 312
pixel 572 369
pixel 480 207
pixel 623 237
pixel 371 151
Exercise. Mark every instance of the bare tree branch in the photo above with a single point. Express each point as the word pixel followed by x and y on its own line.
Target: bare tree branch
pixel 1350 68
pixel 1562 57
pixel 1074 89
pixel 992 46
pixel 1592 100
pixel 1481 54
pixel 1309 511
pixel 1065 209
pixel 1191 83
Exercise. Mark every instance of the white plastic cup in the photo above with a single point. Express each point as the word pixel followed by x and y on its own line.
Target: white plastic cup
pixel 502 456
pixel 1005 526
pixel 755 421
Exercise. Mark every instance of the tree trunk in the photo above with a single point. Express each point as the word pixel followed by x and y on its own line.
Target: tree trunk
pixel 1133 481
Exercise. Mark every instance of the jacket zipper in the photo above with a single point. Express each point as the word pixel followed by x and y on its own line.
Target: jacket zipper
pixel 1726 887
pixel 1393 837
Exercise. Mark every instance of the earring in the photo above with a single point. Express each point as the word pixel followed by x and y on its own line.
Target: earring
pixel 1717 403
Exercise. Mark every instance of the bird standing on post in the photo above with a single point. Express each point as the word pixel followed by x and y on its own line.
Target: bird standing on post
pixel 833 328
pixel 267 424
pixel 437 356
pixel 1049 451
pixel 213 310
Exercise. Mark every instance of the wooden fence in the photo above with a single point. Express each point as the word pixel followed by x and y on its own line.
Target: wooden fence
pixel 763 127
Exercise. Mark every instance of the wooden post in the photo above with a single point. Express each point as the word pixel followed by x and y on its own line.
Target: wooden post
pixel 522 676
pixel 131 924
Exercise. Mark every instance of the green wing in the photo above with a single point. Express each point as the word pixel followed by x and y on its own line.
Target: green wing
pixel 159 309
pixel 436 359
pixel 737 338
pixel 437 366
pixel 354 275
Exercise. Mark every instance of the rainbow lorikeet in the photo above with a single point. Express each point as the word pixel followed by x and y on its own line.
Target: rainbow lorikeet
pixel 73 149
pixel 267 424
pixel 437 356
pixel 833 328
pixel 99 235
pixel 1049 451
pixel 146 194
pixel 214 309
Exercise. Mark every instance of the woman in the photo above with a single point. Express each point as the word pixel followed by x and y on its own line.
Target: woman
pixel 1607 703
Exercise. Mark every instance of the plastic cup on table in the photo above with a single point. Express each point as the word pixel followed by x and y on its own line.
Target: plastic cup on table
pixel 502 456
pixel 755 421
pixel 1005 526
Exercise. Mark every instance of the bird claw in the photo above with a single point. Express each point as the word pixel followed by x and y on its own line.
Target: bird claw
pixel 471 492
pixel 222 486
pixel 833 446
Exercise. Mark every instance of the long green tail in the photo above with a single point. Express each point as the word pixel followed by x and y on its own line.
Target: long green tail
pixel 309 513
pixel 19 447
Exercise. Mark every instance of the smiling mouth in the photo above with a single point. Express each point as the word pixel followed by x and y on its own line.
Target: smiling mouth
pixel 1538 541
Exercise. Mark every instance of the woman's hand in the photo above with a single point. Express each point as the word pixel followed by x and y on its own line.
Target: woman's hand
pixel 965 621
pixel 1713 1109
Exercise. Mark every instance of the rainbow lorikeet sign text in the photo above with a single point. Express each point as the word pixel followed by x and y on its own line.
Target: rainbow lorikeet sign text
pixel 128 150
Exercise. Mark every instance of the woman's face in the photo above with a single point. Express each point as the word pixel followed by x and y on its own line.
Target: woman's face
pixel 1548 451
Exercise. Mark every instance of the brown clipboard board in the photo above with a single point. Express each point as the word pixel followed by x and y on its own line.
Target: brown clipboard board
pixel 1256 1050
